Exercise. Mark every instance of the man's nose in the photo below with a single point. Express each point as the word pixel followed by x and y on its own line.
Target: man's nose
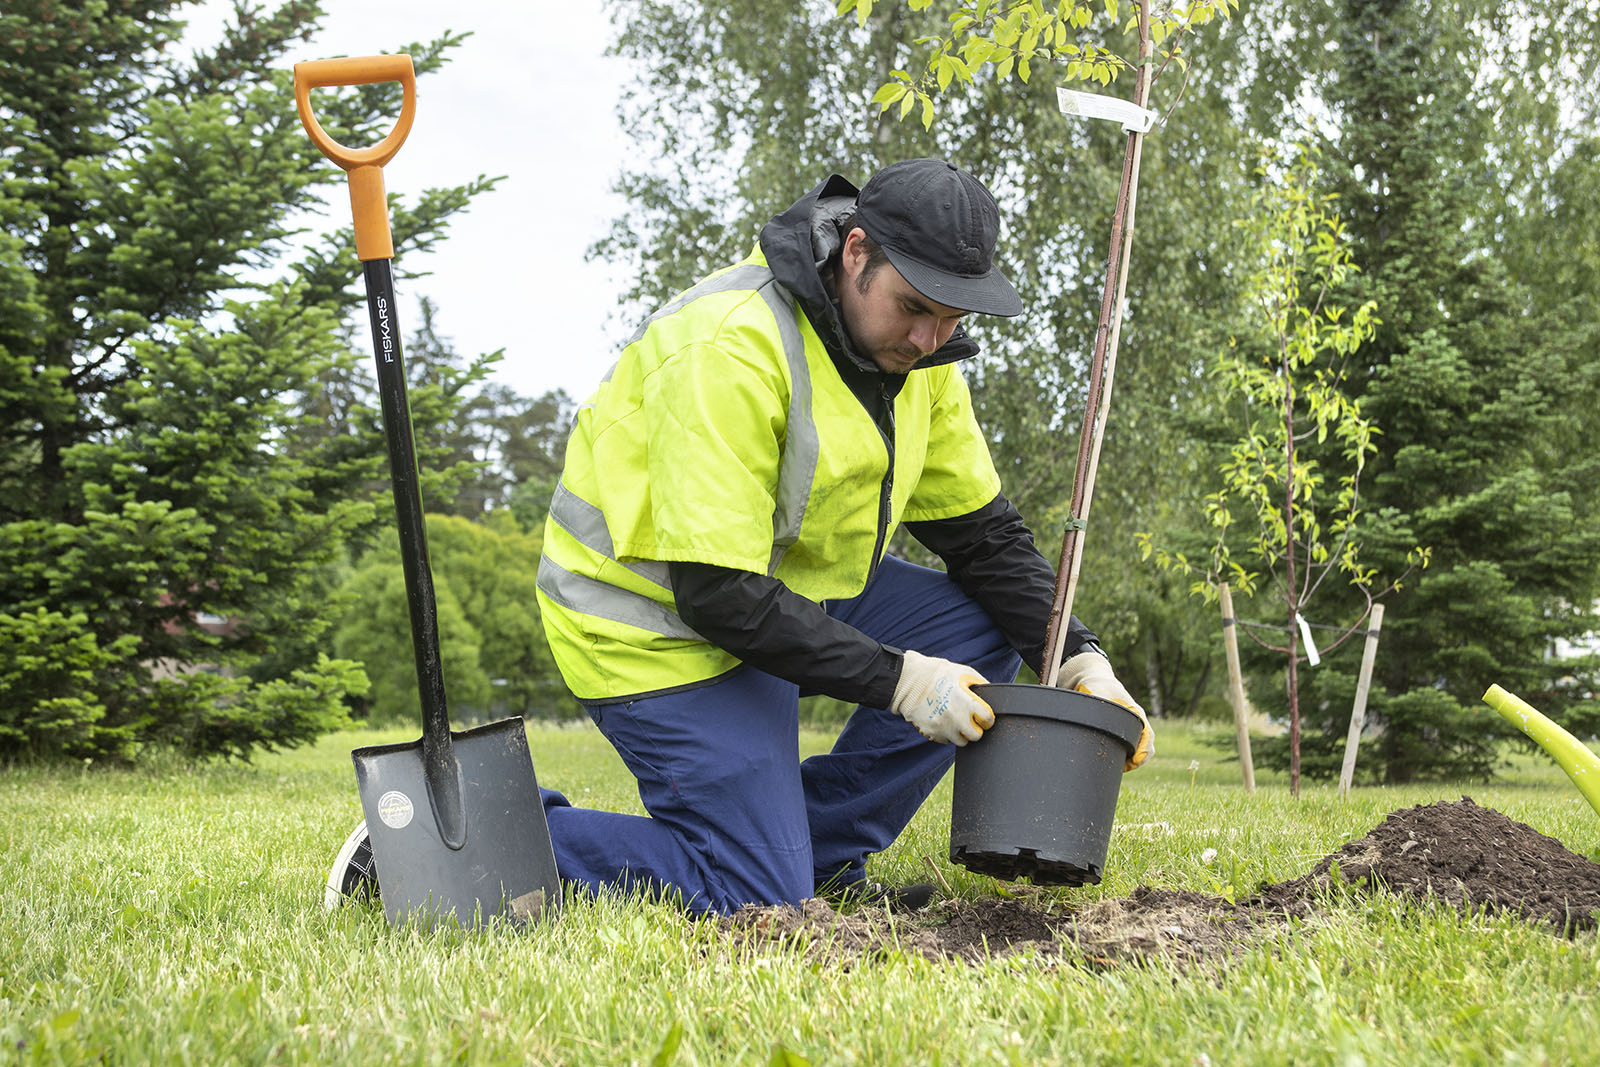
pixel 924 334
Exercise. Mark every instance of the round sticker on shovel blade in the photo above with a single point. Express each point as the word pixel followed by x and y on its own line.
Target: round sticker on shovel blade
pixel 395 809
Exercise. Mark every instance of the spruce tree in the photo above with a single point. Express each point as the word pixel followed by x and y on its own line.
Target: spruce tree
pixel 166 510
pixel 1475 405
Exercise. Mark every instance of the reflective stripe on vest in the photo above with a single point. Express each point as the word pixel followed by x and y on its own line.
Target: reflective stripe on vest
pixel 577 592
pixel 796 473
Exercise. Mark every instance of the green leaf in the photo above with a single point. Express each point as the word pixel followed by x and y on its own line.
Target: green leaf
pixel 1030 39
pixel 1009 29
pixel 978 50
pixel 888 93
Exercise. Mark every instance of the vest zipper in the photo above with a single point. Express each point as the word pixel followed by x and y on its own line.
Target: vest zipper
pixel 886 490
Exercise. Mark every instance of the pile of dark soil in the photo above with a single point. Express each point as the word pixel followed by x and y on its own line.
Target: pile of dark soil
pixel 1472 858
pixel 1465 856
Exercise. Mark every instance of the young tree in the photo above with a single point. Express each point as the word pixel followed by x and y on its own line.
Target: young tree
pixel 165 514
pixel 1297 469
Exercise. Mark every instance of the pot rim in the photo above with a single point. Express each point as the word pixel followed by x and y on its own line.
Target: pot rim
pixel 1066 706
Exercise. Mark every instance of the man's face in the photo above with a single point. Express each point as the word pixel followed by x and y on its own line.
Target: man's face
pixel 888 321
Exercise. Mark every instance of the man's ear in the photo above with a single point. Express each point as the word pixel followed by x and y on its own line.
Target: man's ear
pixel 853 256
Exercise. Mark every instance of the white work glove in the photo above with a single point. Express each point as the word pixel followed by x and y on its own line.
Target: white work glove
pixel 935 695
pixel 1090 672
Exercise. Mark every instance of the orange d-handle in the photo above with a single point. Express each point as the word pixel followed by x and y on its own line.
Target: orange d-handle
pixel 364 166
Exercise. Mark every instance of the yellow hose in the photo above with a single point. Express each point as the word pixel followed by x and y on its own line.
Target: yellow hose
pixel 1573 756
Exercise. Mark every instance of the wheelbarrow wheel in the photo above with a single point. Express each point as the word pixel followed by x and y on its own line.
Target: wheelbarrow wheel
pixel 354 874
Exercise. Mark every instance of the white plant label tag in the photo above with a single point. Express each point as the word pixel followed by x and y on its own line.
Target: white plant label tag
pixel 1134 119
pixel 1305 639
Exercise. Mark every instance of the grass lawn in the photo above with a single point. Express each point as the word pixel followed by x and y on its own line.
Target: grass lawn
pixel 173 914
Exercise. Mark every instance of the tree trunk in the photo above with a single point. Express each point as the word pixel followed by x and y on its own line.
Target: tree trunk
pixel 1294 706
pixel 1291 594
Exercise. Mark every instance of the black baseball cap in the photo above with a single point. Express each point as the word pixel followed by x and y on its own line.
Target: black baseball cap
pixel 938 226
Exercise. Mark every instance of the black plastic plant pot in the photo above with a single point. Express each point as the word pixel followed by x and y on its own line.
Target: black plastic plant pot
pixel 1036 796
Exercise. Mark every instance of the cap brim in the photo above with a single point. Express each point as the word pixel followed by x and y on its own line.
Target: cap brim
pixel 987 294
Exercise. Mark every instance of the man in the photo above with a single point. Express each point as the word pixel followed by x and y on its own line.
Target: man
pixel 715 550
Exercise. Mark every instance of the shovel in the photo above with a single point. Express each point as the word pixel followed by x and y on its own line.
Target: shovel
pixel 457 826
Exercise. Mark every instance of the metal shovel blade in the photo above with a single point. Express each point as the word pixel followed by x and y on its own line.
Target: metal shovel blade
pixel 506 866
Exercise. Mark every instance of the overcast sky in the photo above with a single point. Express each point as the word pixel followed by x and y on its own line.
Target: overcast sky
pixel 530 96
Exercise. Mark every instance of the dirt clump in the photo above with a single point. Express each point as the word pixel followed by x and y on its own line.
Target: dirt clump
pixel 1150 922
pixel 1468 857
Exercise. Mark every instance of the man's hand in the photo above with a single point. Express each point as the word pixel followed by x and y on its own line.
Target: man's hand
pixel 1090 672
pixel 935 695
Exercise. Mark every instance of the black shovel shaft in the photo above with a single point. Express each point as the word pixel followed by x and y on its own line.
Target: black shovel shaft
pixel 407 492
pixel 408 516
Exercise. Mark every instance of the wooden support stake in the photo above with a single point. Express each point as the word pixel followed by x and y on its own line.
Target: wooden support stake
pixel 1102 367
pixel 1230 641
pixel 1358 713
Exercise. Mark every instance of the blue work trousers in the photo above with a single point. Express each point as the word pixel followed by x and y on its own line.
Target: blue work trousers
pixel 735 817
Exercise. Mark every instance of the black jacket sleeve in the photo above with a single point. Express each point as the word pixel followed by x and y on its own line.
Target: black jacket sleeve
pixel 990 553
pixel 776 630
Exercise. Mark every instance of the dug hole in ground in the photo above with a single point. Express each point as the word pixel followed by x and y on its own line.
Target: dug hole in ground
pixel 1468 857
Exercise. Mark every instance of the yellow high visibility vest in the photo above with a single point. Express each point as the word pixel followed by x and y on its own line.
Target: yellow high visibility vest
pixel 724 435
